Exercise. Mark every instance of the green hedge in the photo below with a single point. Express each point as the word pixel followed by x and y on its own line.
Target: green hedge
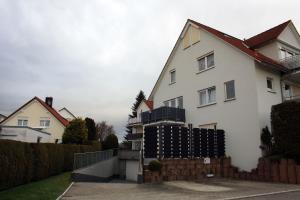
pixel 286 129
pixel 22 162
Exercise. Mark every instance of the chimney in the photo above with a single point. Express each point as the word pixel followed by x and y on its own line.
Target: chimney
pixel 49 101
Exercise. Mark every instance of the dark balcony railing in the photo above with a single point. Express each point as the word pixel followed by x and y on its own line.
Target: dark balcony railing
pixel 164 114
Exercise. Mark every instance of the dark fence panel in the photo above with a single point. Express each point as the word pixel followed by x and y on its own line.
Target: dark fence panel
pixel 150 142
pixel 181 142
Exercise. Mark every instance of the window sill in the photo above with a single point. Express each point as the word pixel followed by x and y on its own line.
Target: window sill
pixel 172 83
pixel 272 91
pixel 232 99
pixel 210 104
pixel 199 72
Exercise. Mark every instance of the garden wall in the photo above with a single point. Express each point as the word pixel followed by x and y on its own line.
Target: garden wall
pixel 22 162
pixel 278 171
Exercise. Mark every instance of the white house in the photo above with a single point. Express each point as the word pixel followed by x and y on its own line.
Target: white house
pixel 65 113
pixel 35 121
pixel 231 84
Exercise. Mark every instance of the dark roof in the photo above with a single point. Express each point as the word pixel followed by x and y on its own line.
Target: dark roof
pixel 62 120
pixel 241 46
pixel 266 36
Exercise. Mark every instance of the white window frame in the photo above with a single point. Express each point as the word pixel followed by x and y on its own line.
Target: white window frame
pixel 284 52
pixel 207 96
pixel 171 72
pixel 24 122
pixel 225 89
pixel 206 67
pixel 272 84
pixel 43 123
pixel 167 103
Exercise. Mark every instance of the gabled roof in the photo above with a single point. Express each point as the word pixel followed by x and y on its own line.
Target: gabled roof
pixel 149 104
pixel 267 35
pixel 235 42
pixel 241 46
pixel 64 108
pixel 62 120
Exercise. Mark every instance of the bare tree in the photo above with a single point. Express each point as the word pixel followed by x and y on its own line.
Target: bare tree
pixel 103 130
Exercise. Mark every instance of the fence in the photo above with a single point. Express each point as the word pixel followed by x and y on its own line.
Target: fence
pixel 85 159
pixel 171 141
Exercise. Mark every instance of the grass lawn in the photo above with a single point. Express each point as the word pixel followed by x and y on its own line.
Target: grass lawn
pixel 49 188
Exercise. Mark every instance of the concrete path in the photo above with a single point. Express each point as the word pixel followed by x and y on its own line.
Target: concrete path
pixel 181 190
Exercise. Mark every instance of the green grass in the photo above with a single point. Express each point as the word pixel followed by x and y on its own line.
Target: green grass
pixel 49 188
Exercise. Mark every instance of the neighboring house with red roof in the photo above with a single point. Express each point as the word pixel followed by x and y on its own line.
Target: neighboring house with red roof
pixel 214 80
pixel 137 126
pixel 35 121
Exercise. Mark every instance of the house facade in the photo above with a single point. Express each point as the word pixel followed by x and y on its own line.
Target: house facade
pixel 35 121
pixel 226 83
pixel 2 117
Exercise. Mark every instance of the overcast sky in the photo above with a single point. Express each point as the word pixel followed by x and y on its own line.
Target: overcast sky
pixel 94 56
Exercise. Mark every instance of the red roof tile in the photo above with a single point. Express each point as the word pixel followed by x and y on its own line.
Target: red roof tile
pixel 267 35
pixel 149 104
pixel 62 120
pixel 50 109
pixel 241 46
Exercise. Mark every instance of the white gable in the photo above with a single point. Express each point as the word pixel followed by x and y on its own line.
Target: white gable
pixel 290 36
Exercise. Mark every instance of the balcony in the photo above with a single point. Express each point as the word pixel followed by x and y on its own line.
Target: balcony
pixel 133 121
pixel 293 98
pixel 292 62
pixel 168 114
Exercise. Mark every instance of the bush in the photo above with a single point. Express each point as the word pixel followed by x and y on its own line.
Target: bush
pixel 111 142
pixel 286 128
pixel 155 166
pixel 22 162
pixel 75 132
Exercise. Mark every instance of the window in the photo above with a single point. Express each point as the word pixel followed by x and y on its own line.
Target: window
pixel 284 53
pixel 207 96
pixel 44 123
pixel 173 76
pixel 22 122
pixel 175 103
pixel 206 62
pixel 180 102
pixel 229 90
pixel 166 103
pixel 270 84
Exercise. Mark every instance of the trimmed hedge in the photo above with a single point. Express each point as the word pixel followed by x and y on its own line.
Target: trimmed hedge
pixel 22 162
pixel 285 121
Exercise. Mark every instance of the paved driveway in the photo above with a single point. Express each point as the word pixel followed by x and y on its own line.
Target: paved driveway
pixel 211 189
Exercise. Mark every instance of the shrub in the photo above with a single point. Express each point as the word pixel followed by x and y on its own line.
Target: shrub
pixel 111 142
pixel 155 166
pixel 75 132
pixel 286 128
pixel 22 162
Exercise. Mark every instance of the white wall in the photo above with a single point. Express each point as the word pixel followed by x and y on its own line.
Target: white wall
pixel 290 37
pixel 23 134
pixel 239 118
pixel 132 169
pixel 271 50
pixel 266 98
